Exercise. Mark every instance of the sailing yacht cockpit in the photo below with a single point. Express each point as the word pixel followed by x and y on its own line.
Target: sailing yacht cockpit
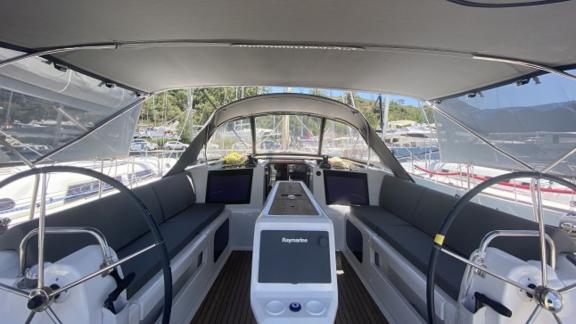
pixel 288 162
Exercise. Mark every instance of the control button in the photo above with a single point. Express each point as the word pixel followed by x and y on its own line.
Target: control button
pixel 315 307
pixel 295 307
pixel 323 241
pixel 275 307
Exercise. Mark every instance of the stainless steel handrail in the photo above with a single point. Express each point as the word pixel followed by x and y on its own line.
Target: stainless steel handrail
pixel 489 237
pixel 107 259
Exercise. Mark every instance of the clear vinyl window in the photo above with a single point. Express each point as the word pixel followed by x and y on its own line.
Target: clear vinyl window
pixel 288 134
pixel 232 136
pixel 344 141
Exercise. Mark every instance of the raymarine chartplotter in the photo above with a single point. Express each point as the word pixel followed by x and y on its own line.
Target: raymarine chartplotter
pixel 294 261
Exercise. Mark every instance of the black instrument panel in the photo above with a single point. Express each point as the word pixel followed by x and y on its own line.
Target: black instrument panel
pixel 346 188
pixel 232 186
pixel 294 257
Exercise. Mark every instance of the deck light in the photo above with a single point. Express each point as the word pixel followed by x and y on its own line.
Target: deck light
pixel 302 47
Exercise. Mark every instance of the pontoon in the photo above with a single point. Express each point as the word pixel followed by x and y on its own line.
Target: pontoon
pixel 288 206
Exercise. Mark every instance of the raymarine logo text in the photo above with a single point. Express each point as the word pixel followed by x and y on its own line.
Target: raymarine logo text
pixel 294 240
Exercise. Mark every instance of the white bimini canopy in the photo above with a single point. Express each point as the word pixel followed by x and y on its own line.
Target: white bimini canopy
pixel 424 49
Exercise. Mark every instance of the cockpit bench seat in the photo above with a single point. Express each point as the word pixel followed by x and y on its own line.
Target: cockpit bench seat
pixel 409 216
pixel 171 201
pixel 412 243
pixel 177 231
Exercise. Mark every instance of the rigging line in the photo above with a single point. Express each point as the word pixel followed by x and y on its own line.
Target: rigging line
pixel 164 117
pixel 428 139
pixel 165 108
pixel 188 112
pixel 70 118
pixel 239 137
pixel 299 119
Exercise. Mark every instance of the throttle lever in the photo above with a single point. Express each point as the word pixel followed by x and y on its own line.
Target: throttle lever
pixel 482 300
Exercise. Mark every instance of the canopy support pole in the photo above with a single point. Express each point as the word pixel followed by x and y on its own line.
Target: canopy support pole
pixel 253 134
pixel 562 158
pixel 321 136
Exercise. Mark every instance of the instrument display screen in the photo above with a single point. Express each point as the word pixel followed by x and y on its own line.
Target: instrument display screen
pixel 294 257
pixel 346 188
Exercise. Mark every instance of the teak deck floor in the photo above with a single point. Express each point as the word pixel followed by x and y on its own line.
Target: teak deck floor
pixel 228 301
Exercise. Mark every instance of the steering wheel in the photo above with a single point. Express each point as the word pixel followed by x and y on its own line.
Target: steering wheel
pixel 41 297
pixel 545 297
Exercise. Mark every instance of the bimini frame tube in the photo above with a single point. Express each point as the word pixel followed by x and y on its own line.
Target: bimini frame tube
pixel 535 66
pixel 55 50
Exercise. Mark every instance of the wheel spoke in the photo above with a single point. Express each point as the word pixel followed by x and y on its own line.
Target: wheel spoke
pixel 42 231
pixel 558 320
pixel 13 290
pixel 567 289
pixel 103 270
pixel 30 318
pixel 41 290
pixel 53 315
pixel 534 314
pixel 495 275
pixel 536 195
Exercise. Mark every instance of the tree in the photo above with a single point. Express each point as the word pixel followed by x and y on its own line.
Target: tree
pixel 172 106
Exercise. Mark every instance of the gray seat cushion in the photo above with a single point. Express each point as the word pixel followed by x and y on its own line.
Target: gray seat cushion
pixel 376 216
pixel 400 197
pixel 107 215
pixel 176 194
pixel 415 245
pixel 177 232
pixel 410 215
pixel 171 201
pixel 475 221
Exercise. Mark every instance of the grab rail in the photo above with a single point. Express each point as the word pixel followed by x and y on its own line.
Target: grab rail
pixel 489 237
pixel 105 248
